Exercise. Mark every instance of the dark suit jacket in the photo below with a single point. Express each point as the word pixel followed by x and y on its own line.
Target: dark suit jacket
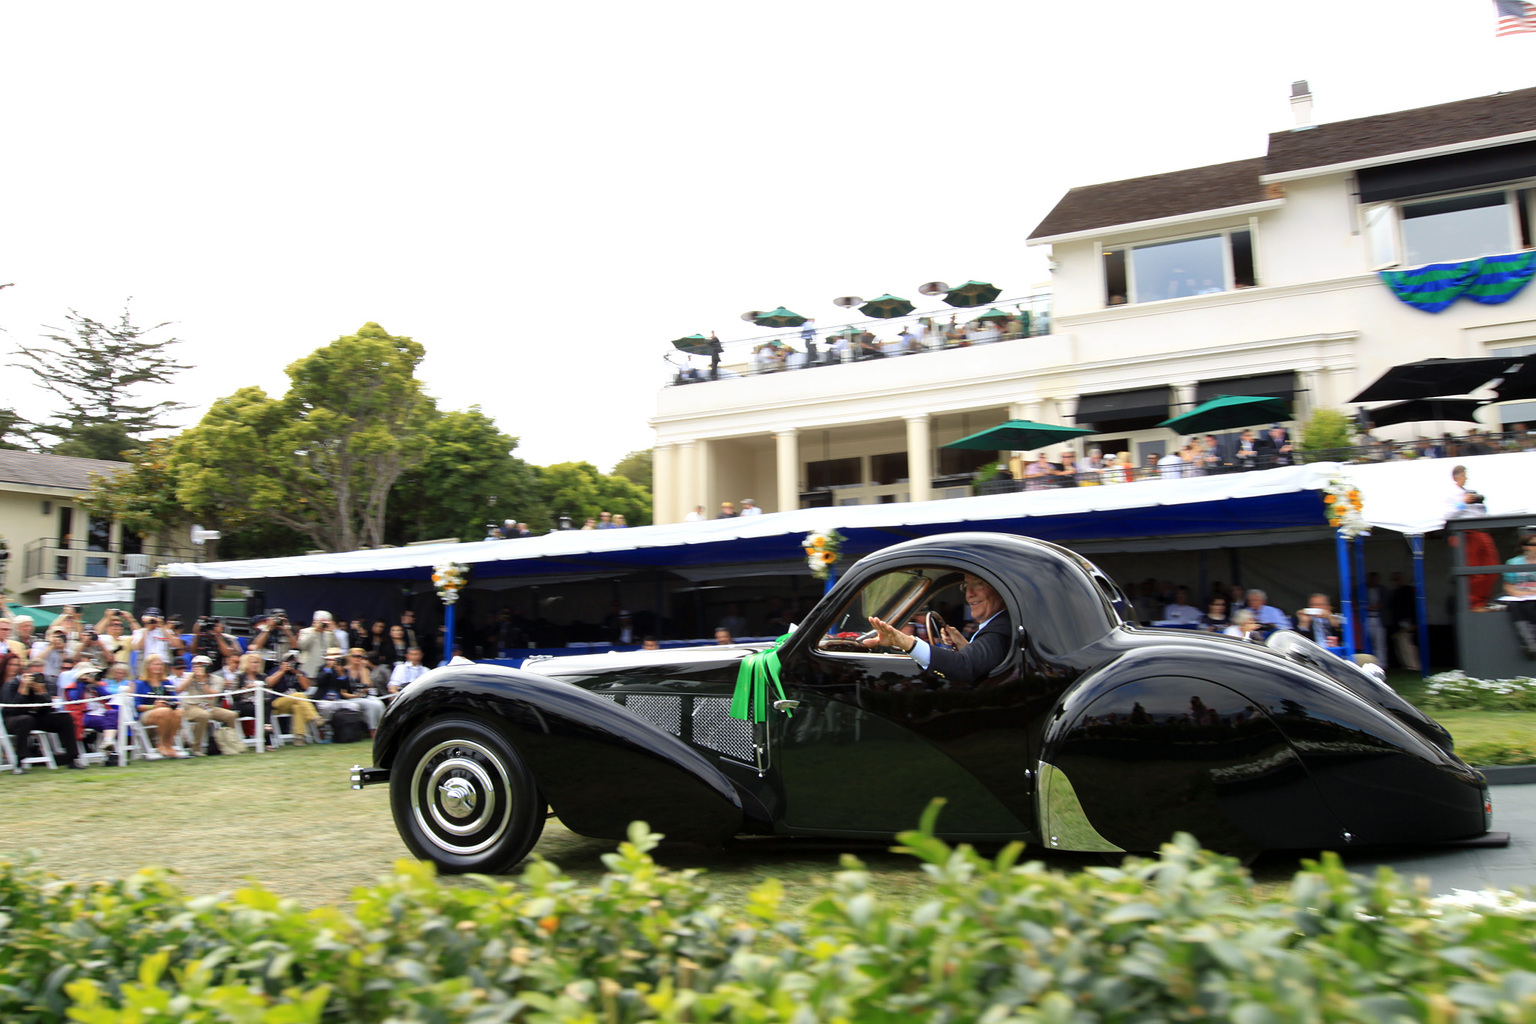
pixel 986 651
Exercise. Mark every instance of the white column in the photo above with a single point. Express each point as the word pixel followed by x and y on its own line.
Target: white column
pixel 685 490
pixel 920 457
pixel 664 485
pixel 786 445
pixel 1183 397
pixel 707 479
pixel 1026 408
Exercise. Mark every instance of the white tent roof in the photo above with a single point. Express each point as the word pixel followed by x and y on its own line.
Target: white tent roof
pixel 1409 496
pixel 960 513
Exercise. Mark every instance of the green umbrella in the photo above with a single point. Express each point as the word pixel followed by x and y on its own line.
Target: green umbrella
pixel 778 318
pixel 694 345
pixel 887 306
pixel 995 314
pixel 847 332
pixel 42 618
pixel 1228 412
pixel 1018 436
pixel 973 293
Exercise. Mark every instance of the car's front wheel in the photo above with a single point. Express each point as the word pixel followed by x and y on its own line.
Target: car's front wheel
pixel 463 798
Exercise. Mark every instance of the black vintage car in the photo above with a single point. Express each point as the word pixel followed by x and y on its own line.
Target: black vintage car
pixel 1090 733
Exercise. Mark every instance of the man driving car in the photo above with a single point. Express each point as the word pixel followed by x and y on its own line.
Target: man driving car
pixel 969 660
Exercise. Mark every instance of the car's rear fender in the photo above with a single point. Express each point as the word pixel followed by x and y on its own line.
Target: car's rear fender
pixel 599 766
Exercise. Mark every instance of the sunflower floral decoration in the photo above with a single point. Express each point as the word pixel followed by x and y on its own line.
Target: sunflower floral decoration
pixel 449 578
pixel 822 548
pixel 1341 500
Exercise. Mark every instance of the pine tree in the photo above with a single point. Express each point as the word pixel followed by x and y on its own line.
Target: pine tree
pixel 93 369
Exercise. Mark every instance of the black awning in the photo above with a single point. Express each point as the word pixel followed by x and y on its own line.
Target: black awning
pixel 1115 406
pixel 1264 385
pixel 1448 173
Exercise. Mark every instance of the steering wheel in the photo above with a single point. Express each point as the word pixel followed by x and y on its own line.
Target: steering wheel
pixel 935 624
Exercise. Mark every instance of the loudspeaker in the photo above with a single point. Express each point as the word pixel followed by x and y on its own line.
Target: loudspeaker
pixel 148 592
pixel 187 598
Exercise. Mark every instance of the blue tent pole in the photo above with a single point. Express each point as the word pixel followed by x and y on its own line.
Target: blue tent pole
pixel 1362 601
pixel 448 632
pixel 831 581
pixel 1341 546
pixel 1416 542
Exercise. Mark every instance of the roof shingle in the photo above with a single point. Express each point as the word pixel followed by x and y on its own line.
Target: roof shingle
pixel 30 469
pixel 1402 131
pixel 1171 194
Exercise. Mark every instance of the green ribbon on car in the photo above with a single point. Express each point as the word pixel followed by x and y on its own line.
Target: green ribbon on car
pixel 754 676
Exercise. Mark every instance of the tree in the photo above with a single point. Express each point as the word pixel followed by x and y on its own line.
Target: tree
pixel 1326 428
pixel 469 477
pixel 93 370
pixel 322 459
pixel 578 490
pixel 637 467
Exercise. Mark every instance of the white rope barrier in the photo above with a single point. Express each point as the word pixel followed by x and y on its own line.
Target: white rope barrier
pixel 127 703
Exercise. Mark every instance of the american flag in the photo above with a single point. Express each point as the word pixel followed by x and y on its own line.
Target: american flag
pixel 1515 16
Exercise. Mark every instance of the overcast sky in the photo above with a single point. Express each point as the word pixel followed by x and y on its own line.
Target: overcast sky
pixel 545 194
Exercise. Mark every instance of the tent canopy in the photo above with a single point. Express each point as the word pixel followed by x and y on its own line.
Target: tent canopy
pixel 1272 500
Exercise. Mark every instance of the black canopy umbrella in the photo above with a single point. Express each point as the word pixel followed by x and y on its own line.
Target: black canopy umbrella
pixel 1434 378
pixel 973 293
pixel 886 306
pixel 693 344
pixel 1425 410
pixel 1017 436
pixel 1519 383
pixel 1228 412
pixel 778 318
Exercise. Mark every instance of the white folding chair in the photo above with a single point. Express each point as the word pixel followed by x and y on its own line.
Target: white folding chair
pixel 44 745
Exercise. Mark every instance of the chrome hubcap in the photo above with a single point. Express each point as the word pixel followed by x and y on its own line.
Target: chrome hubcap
pixel 460 796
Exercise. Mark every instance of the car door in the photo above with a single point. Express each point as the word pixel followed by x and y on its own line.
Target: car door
pixel 876 736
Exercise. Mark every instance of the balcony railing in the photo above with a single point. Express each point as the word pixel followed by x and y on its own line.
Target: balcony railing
pixel 870 340
pixel 45 561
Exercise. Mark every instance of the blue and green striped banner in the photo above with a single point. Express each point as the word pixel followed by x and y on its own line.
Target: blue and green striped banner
pixel 1490 280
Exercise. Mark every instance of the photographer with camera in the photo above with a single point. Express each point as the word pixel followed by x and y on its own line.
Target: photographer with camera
pixel 113 632
pixel 274 638
pixel 200 704
pixel 209 641
pixel 292 687
pixel 315 640
pixel 30 688
pixel 156 637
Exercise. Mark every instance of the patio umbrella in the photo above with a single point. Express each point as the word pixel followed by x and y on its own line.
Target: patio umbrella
pixel 847 332
pixel 1228 412
pixel 694 345
pixel 778 318
pixel 1519 383
pixel 1018 436
pixel 973 293
pixel 887 306
pixel 994 314
pixel 1424 410
pixel 1433 378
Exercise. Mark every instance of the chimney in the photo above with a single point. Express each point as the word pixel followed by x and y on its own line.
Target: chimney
pixel 1301 104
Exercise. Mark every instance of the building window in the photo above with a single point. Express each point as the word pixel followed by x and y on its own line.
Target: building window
pixel 833 473
pixel 888 469
pixel 1179 268
pixel 1449 229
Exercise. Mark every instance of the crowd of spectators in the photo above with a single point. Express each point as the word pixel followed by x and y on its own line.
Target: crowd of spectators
pixel 193 693
pixel 906 336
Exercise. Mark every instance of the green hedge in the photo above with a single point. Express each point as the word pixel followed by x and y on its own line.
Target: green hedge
pixel 1184 937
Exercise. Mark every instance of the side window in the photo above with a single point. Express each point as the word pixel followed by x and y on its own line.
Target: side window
pixel 902 596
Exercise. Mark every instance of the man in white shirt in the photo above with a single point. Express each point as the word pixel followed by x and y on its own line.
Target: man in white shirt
pixel 696 516
pixel 1181 611
pixel 154 637
pixel 408 671
pixel 749 508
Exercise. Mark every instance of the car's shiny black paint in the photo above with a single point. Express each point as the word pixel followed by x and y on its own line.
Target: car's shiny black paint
pixel 599 766
pixel 1287 748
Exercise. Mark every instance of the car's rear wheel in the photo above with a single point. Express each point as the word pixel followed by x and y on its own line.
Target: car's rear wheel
pixel 464 799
